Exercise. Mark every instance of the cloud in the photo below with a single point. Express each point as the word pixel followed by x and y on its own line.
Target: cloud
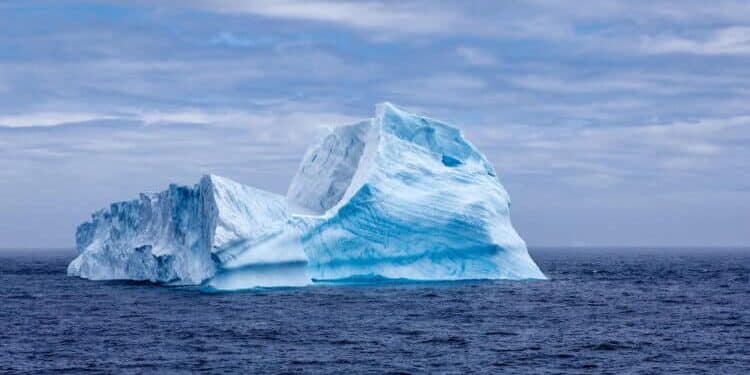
pixel 152 146
pixel 475 56
pixel 652 83
pixel 607 24
pixel 683 155
pixel 313 120
pixel 113 84
pixel 229 39
pixel 726 41
pixel 414 18
pixel 402 18
pixel 49 118
pixel 583 85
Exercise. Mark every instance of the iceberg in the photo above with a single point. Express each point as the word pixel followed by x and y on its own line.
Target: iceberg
pixel 398 196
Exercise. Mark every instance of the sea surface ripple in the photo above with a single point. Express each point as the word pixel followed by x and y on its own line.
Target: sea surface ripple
pixel 637 311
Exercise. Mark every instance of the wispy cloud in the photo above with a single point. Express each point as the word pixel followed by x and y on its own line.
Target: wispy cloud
pixel 415 18
pixel 726 41
pixel 579 85
pixel 230 39
pixel 475 56
pixel 638 156
pixel 306 121
pixel 49 118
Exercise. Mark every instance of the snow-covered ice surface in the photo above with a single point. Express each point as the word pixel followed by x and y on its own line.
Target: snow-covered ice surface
pixel 397 196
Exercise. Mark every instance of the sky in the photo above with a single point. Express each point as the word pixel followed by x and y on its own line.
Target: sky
pixel 614 123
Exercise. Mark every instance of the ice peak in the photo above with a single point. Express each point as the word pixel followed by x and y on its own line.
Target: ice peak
pixel 382 107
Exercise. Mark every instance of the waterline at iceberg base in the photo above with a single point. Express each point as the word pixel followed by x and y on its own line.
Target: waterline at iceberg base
pixel 398 196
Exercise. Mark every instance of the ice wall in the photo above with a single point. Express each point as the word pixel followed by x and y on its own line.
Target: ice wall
pixel 183 235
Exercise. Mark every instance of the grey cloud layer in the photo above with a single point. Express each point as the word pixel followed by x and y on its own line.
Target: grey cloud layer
pixel 605 121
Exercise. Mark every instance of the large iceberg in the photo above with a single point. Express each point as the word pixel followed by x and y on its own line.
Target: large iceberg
pixel 396 196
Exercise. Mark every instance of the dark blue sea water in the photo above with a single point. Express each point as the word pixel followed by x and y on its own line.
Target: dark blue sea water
pixel 603 311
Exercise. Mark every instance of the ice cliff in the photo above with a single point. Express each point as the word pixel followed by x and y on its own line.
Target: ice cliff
pixel 184 235
pixel 396 196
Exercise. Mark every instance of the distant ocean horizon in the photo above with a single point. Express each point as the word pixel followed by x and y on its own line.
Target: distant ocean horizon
pixel 619 309
pixel 681 248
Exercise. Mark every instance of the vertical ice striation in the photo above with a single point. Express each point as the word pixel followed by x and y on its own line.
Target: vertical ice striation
pixel 181 235
pixel 397 196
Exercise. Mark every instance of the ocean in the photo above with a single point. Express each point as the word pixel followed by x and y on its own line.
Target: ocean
pixel 604 310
